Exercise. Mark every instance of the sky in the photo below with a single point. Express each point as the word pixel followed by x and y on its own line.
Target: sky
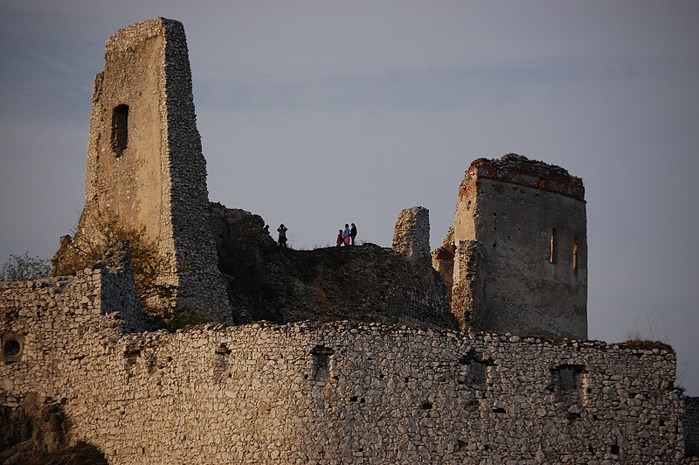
pixel 316 113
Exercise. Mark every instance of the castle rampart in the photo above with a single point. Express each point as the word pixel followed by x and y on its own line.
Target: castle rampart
pixel 397 384
pixel 346 392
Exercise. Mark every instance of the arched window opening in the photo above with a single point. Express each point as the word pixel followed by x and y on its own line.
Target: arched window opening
pixel 120 129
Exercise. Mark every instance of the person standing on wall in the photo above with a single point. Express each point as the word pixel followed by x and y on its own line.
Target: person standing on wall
pixel 346 235
pixel 353 232
pixel 339 238
pixel 282 235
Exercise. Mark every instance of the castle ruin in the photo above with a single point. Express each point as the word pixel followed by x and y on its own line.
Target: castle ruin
pixel 481 359
pixel 516 255
pixel 145 164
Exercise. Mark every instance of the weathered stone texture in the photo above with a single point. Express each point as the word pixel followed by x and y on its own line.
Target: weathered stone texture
pixel 530 218
pixel 401 386
pixel 691 426
pixel 346 393
pixel 468 293
pixel 411 235
pixel 156 179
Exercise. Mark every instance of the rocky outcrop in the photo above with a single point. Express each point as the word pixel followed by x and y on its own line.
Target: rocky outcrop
pixel 366 283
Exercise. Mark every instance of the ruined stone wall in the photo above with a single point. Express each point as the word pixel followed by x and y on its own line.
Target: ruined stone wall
pixel 530 218
pixel 691 426
pixel 43 323
pixel 343 393
pixel 411 234
pixel 145 163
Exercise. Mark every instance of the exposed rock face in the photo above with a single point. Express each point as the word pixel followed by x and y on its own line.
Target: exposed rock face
pixel 530 274
pixel 411 235
pixel 366 282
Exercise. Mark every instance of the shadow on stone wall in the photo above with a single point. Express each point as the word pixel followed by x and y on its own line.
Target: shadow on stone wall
pixel 36 433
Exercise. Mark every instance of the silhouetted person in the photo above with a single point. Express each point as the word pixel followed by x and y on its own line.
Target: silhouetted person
pixel 353 232
pixel 282 235
pixel 339 238
pixel 266 228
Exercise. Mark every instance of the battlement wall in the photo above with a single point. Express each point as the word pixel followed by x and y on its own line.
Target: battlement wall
pixel 43 321
pixel 346 392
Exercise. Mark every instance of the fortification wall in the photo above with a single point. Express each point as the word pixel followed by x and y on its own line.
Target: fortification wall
pixel 530 218
pixel 343 393
pixel 691 426
pixel 145 163
pixel 43 326
pixel 411 234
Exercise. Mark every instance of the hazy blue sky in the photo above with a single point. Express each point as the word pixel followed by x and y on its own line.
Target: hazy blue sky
pixel 318 113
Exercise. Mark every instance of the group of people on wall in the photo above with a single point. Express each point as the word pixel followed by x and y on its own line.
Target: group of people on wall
pixel 345 237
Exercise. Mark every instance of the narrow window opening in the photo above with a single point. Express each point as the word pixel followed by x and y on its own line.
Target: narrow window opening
pixel 575 255
pixel 321 362
pixel 570 384
pixel 120 129
pixel 552 247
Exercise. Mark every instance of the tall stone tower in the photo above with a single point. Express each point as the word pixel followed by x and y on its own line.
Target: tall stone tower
pixel 145 164
pixel 516 257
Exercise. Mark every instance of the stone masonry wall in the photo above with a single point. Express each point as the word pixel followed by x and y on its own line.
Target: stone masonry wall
pixel 530 218
pixel 411 234
pixel 691 426
pixel 341 392
pixel 43 322
pixel 156 177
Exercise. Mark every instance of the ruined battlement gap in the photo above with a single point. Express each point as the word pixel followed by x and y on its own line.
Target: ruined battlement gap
pixel 519 240
pixel 145 164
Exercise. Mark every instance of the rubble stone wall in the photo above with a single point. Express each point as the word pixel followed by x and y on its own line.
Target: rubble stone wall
pixel 145 163
pixel 411 234
pixel 338 392
pixel 691 426
pixel 530 218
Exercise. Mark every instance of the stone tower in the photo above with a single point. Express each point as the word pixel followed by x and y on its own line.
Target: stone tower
pixel 145 164
pixel 411 234
pixel 519 248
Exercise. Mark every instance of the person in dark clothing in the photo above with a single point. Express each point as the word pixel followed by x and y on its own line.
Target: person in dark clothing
pixel 353 232
pixel 282 235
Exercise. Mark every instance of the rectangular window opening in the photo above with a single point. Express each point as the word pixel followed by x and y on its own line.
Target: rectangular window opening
pixel 552 246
